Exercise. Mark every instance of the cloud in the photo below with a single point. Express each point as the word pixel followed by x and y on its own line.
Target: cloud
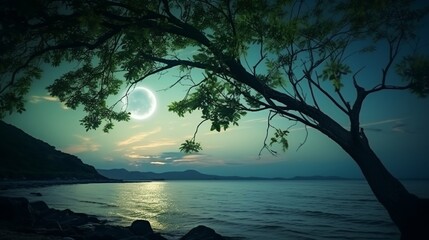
pixel 398 125
pixel 394 120
pixel 108 158
pixel 156 144
pixel 157 163
pixel 137 138
pixel 85 144
pixel 193 158
pixel 174 158
pixel 165 157
pixel 256 120
pixel 37 99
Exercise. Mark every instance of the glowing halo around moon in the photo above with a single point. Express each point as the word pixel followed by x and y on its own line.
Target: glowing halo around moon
pixel 141 103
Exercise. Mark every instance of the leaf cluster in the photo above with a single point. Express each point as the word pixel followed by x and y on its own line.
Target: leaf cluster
pixel 280 137
pixel 218 101
pixel 190 146
pixel 333 71
pixel 414 70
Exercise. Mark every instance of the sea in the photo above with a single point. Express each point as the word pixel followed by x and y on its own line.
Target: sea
pixel 276 210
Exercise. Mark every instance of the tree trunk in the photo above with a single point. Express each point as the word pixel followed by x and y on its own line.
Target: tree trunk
pixel 408 212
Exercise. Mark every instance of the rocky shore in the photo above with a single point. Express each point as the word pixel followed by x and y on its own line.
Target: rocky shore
pixel 24 220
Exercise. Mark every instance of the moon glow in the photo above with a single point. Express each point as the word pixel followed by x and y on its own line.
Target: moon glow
pixel 141 103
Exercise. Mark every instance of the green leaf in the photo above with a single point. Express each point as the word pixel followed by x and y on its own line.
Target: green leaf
pixel 414 70
pixel 280 137
pixel 190 146
pixel 333 72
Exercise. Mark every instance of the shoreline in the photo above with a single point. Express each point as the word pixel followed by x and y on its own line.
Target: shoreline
pixel 23 220
pixel 14 184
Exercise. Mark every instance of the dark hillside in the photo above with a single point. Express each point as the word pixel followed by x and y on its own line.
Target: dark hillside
pixel 25 157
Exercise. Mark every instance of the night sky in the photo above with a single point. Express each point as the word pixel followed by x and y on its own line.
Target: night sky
pixel 396 123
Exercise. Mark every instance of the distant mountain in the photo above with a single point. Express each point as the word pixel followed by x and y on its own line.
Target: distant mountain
pixel 123 174
pixel 319 178
pixel 25 157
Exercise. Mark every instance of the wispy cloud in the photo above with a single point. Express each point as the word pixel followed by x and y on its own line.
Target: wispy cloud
pixel 394 120
pixel 397 125
pixel 256 120
pixel 46 98
pixel 165 157
pixel 157 163
pixel 85 144
pixel 36 99
pixel 154 144
pixel 400 127
pixel 139 137
pixel 193 158
pixel 174 158
pixel 134 155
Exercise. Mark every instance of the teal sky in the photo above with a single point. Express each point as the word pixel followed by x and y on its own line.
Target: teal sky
pixel 396 124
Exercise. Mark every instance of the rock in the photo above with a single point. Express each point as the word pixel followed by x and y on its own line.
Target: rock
pixel 64 220
pixel 39 208
pixel 36 194
pixel 141 228
pixel 16 210
pixel 154 236
pixel 202 232
pixel 107 232
pixel 42 222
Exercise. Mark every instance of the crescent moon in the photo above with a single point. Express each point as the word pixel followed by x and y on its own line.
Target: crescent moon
pixel 141 103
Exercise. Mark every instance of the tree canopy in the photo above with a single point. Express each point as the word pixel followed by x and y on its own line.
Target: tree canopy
pixel 297 48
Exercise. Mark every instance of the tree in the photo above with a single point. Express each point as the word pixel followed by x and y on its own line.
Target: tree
pixel 301 53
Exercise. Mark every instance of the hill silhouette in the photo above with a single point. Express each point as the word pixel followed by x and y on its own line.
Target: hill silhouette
pixel 25 157
pixel 123 174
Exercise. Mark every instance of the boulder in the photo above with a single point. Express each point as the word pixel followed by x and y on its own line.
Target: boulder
pixel 18 214
pixel 39 208
pixel 154 236
pixel 100 231
pixel 141 228
pixel 202 232
pixel 63 220
pixel 16 210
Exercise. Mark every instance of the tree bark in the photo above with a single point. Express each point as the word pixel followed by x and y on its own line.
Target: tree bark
pixel 408 212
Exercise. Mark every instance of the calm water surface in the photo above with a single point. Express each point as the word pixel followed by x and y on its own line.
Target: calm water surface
pixel 278 210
